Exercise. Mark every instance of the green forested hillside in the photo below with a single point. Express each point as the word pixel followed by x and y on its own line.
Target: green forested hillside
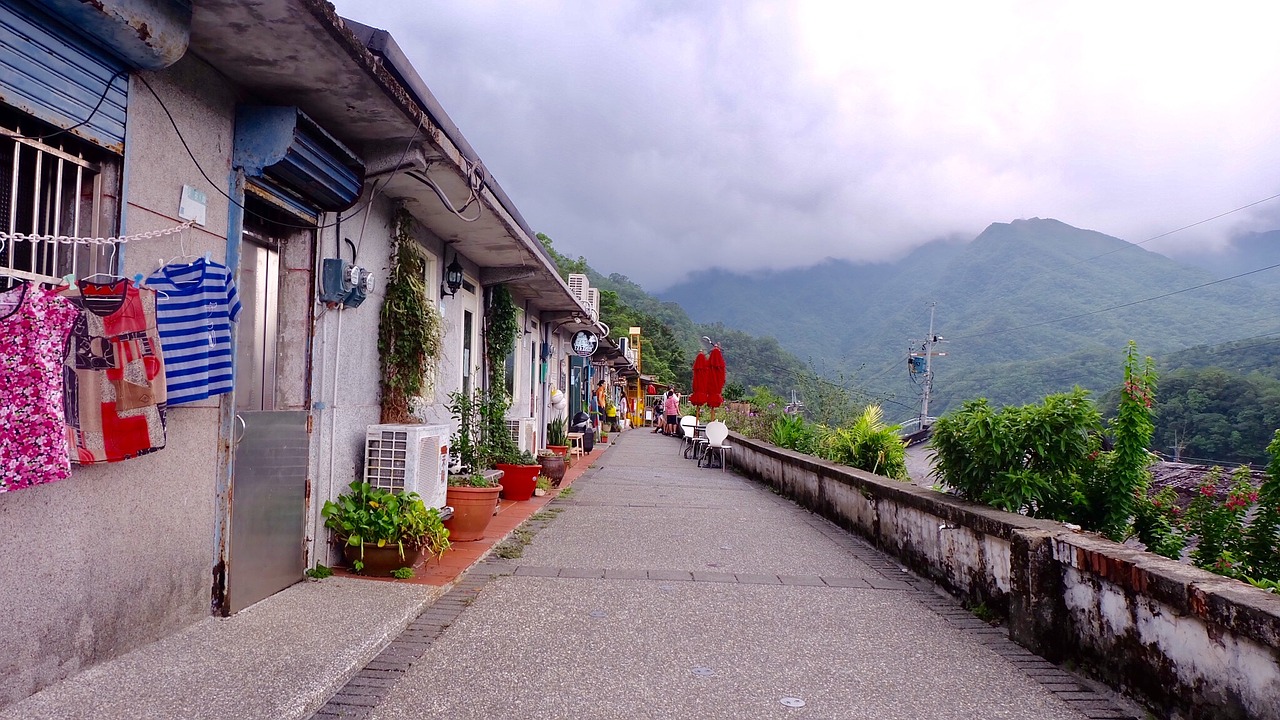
pixel 1001 303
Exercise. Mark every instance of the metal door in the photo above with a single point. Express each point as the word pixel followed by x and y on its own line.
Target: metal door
pixel 268 487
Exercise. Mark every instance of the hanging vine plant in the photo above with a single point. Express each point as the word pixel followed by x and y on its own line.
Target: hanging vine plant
pixel 502 326
pixel 410 330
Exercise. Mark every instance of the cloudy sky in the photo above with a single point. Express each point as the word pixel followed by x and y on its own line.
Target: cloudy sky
pixel 655 137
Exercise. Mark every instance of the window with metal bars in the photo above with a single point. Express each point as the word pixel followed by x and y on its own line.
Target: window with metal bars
pixel 58 186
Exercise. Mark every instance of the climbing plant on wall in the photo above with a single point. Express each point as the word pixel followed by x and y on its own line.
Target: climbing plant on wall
pixel 501 327
pixel 410 332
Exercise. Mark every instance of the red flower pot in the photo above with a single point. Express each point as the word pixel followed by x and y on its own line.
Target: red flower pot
pixel 472 510
pixel 518 481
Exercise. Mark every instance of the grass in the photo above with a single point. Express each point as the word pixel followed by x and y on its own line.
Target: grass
pixel 986 614
pixel 513 547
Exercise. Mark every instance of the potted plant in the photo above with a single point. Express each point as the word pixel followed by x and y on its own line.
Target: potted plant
pixel 519 473
pixel 473 498
pixel 558 436
pixel 553 466
pixel 383 530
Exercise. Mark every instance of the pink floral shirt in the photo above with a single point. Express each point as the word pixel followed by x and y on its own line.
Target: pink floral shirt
pixel 34 324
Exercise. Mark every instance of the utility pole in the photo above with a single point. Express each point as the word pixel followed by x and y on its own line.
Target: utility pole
pixel 927 353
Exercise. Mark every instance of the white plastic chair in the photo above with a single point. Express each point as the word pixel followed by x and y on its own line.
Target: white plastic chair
pixel 717 434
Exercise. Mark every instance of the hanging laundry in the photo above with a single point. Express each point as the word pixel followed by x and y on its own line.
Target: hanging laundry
pixel 197 305
pixel 34 324
pixel 114 374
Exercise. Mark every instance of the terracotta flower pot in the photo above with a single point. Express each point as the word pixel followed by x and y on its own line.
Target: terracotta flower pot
pixel 472 510
pixel 382 560
pixel 561 450
pixel 518 481
pixel 553 467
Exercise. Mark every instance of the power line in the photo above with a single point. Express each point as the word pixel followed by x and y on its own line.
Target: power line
pixel 1116 307
pixel 235 203
pixel 1178 230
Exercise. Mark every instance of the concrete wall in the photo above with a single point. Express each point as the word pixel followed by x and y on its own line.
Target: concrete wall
pixel 119 555
pixel 1188 642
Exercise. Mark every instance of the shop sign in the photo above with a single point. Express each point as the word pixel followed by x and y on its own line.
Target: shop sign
pixel 585 343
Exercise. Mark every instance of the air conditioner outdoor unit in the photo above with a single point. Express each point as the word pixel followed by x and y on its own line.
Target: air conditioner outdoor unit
pixel 578 285
pixel 523 433
pixel 409 458
pixel 593 302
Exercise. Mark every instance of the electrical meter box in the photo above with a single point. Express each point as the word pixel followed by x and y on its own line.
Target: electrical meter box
pixel 335 280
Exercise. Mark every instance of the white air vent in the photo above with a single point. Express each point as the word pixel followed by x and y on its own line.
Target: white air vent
pixel 523 433
pixel 593 302
pixel 578 285
pixel 409 458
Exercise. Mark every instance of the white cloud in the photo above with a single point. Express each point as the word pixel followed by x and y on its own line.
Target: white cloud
pixel 659 138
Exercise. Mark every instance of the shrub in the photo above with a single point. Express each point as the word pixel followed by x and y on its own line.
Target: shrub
pixel 868 444
pixel 793 433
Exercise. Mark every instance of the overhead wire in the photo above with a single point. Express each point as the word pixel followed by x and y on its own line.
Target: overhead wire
pixel 1176 230
pixel 106 90
pixel 1115 307
pixel 240 205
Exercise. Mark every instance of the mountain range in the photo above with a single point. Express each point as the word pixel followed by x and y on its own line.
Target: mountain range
pixel 1025 308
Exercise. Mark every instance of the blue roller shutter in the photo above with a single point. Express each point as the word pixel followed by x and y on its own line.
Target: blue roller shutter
pixel 289 155
pixel 49 71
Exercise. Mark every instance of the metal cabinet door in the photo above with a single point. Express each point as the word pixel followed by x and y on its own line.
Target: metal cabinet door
pixel 269 482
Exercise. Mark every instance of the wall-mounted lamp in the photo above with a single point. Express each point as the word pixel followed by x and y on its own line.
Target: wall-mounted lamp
pixel 452 278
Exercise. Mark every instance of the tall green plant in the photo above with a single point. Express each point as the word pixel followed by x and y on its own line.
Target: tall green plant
pixel 410 332
pixel 1261 546
pixel 1129 477
pixel 467 442
pixel 501 328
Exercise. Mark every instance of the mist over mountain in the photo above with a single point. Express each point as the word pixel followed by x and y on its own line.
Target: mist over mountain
pixel 1247 252
pixel 1027 308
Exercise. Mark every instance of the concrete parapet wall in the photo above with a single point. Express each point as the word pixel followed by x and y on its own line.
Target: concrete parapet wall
pixel 1189 643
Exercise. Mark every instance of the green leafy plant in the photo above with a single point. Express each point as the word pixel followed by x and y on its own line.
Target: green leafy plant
pixel 410 329
pixel 403 573
pixel 515 456
pixel 1219 526
pixel 1128 477
pixel 466 443
pixel 501 328
pixel 867 444
pixel 319 572
pixel 496 440
pixel 1157 521
pixel 543 482
pixel 373 515
pixel 1260 547
pixel 1028 459
pixel 557 431
pixel 793 433
pixel 475 480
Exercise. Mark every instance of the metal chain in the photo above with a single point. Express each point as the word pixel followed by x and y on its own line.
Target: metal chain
pixel 70 240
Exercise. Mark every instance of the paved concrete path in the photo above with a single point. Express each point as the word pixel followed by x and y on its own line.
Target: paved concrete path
pixel 661 590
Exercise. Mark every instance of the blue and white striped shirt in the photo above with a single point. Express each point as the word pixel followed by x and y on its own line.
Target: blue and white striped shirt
pixel 195 307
